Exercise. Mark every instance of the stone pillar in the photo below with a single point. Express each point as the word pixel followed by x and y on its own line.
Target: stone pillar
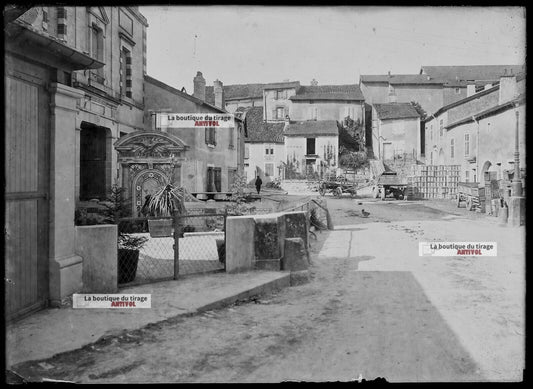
pixel 99 260
pixel 65 267
pixel 240 238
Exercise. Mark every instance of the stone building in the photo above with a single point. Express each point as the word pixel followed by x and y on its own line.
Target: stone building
pixel 311 147
pixel 199 159
pixel 478 132
pixel 74 83
pixel 264 147
pixel 396 131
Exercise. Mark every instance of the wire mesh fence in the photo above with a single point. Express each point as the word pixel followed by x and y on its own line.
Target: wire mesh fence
pixel 160 249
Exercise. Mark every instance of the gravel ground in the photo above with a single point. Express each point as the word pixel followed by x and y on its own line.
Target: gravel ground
pixel 373 309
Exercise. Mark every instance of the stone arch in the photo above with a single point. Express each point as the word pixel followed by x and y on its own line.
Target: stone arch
pixel 440 159
pixel 146 182
pixel 149 144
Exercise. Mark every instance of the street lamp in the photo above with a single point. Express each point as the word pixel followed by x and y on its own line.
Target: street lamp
pixel 516 185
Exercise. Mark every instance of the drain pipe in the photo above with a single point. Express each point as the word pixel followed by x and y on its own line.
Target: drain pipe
pixel 477 149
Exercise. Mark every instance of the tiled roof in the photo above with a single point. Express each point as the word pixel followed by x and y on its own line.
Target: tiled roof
pixel 400 79
pixel 488 112
pixel 476 72
pixel 246 91
pixel 329 92
pixel 313 128
pixel 260 131
pixel 236 92
pixel 396 111
pixel 180 93
pixel 280 85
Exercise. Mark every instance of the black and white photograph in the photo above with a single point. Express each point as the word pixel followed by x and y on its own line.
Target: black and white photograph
pixel 239 193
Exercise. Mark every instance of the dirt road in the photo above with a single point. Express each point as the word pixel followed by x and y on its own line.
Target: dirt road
pixel 374 308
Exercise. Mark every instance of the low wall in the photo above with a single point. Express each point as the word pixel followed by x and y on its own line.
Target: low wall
pixel 97 245
pixel 258 241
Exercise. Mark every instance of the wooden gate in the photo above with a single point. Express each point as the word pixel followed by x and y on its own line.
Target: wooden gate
pixel 27 169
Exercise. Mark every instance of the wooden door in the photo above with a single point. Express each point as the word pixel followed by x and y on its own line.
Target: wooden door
pixel 27 166
pixel 92 162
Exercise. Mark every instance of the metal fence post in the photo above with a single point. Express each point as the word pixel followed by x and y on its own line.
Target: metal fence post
pixel 177 232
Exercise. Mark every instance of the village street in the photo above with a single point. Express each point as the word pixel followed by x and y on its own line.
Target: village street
pixel 374 308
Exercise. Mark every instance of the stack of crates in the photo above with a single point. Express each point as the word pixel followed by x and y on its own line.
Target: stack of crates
pixel 433 182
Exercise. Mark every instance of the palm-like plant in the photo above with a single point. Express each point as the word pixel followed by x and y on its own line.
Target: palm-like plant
pixel 167 200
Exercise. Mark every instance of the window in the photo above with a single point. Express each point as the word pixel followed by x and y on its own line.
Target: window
pixel 125 73
pixel 97 48
pixel 62 23
pixel 246 151
pixel 467 176
pixel 457 91
pixel 231 138
pixel 452 147
pixel 467 145
pixel 313 113
pixel 280 113
pixel 280 94
pixel 269 151
pixel 310 146
pixel 441 127
pixel 210 136
pixel 269 169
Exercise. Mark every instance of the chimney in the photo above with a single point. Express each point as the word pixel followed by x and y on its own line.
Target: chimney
pixel 508 88
pixel 199 86
pixel 314 82
pixel 470 90
pixel 219 94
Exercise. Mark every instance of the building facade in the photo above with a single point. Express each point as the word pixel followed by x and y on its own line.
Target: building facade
pixel 74 82
pixel 211 157
pixel 478 132
pixel 264 147
pixel 311 147
pixel 396 131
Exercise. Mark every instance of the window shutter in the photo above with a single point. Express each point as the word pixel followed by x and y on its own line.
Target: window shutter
pixel 207 135
pixel 214 136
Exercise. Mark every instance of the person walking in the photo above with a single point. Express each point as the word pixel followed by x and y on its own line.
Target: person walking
pixel 258 183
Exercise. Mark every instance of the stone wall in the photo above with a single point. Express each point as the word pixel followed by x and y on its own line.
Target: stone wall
pixel 258 242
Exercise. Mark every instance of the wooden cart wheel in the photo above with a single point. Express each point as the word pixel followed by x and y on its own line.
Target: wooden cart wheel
pixel 338 192
pixel 469 205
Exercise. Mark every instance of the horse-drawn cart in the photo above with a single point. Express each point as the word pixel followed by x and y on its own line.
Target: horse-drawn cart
pixel 471 194
pixel 337 188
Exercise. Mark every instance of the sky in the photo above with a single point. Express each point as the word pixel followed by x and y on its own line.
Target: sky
pixel 334 45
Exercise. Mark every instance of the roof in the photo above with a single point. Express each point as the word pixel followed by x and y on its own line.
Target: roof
pixel 313 127
pixel 281 85
pixel 329 92
pixel 260 131
pixel 401 79
pixel 431 116
pixel 396 111
pixel 180 93
pixel 236 92
pixel 475 72
pixel 488 112
pixel 246 91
